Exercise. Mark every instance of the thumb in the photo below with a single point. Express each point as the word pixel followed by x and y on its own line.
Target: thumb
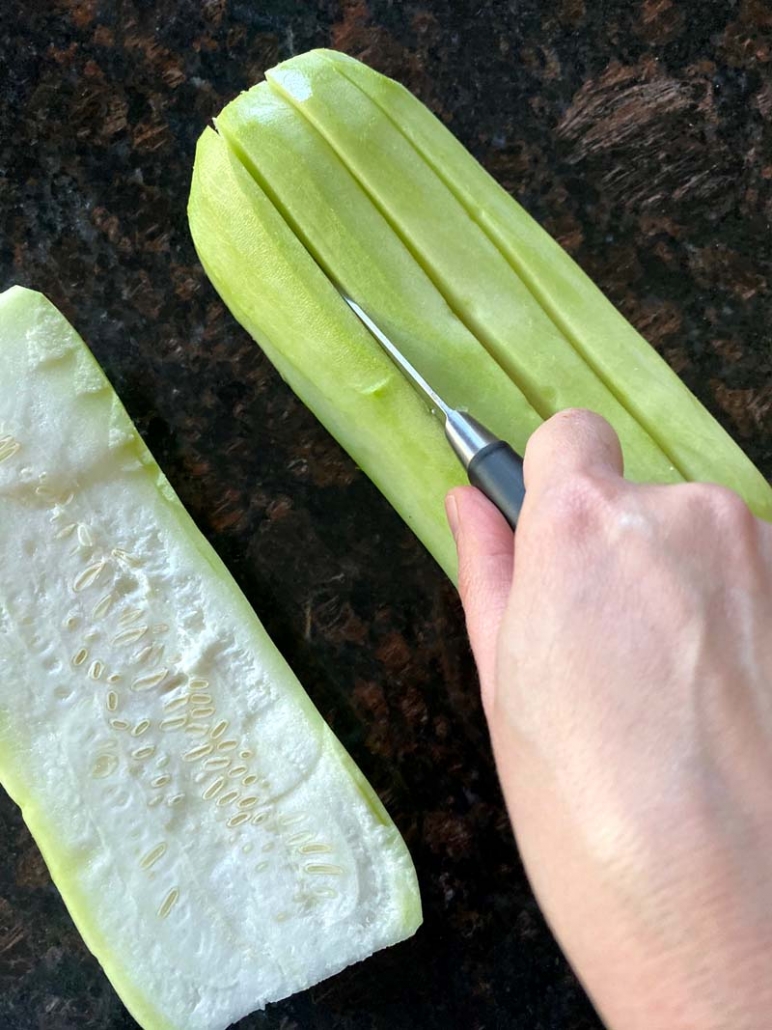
pixel 486 548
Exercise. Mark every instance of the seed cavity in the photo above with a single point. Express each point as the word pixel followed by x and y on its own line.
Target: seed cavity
pixel 49 496
pixel 314 849
pixel 299 838
pixel 245 754
pixel 325 892
pixel 290 820
pixel 198 684
pixel 119 724
pixel 249 780
pixel 214 788
pixel 260 818
pixel 153 651
pixel 248 802
pixel 103 606
pixel 323 869
pixel 104 766
pixel 199 728
pixel 111 701
pixel 65 531
pixel 200 699
pixel 261 866
pixel 153 855
pixel 219 729
pixel 143 752
pixel 80 657
pixel 84 536
pixel 175 799
pixel 176 702
pixel 150 681
pixel 175 722
pixel 130 616
pixel 169 902
pixel 141 728
pixel 88 577
pixel 161 781
pixel 237 770
pixel 225 799
pixel 197 753
pixel 8 447
pixel 217 763
pixel 125 558
pixel 238 820
pixel 129 636
pixel 95 670
pixel 227 745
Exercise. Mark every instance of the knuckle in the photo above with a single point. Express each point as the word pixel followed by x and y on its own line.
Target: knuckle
pixel 575 414
pixel 582 420
pixel 578 505
pixel 574 417
pixel 717 504
pixel 568 420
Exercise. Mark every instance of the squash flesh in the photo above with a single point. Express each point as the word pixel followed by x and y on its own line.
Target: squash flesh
pixel 276 290
pixel 216 846
pixel 398 212
pixel 326 208
pixel 649 389
pixel 463 263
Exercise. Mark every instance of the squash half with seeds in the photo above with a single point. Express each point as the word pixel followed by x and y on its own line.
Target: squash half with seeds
pixel 329 167
pixel 214 843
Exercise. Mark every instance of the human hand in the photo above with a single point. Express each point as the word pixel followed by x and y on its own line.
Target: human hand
pixel 626 674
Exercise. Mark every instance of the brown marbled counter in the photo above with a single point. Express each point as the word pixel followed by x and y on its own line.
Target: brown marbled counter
pixel 639 133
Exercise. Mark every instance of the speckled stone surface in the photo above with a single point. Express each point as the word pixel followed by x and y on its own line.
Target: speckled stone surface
pixel 639 133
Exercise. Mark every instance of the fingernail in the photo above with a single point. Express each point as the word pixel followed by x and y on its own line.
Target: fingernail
pixel 451 511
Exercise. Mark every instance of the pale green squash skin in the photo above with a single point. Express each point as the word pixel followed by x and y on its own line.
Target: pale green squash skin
pixel 279 294
pixel 463 263
pixel 482 300
pixel 326 207
pixel 650 390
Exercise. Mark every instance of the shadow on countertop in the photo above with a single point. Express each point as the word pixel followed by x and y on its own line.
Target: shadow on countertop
pixel 639 134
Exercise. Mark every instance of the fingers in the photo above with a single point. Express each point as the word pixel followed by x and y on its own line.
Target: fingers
pixel 486 547
pixel 570 443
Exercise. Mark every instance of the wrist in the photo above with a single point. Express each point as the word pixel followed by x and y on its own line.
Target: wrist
pixel 669 928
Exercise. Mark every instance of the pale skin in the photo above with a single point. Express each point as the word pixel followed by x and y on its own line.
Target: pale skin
pixel 624 645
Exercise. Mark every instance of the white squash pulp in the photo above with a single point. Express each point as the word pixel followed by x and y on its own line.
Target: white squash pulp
pixel 214 843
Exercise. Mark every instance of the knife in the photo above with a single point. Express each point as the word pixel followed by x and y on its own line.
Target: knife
pixel 491 464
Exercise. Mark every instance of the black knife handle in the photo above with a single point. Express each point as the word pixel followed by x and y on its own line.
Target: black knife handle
pixel 498 472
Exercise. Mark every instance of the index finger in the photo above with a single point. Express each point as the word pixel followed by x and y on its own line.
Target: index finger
pixel 570 443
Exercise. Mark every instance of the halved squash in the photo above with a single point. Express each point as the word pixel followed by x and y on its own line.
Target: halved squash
pixel 216 846
pixel 329 172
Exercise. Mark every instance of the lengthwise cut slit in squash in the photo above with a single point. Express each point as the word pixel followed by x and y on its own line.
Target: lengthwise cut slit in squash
pixel 214 843
pixel 329 162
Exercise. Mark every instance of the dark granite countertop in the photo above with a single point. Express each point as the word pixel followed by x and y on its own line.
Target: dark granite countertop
pixel 639 133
